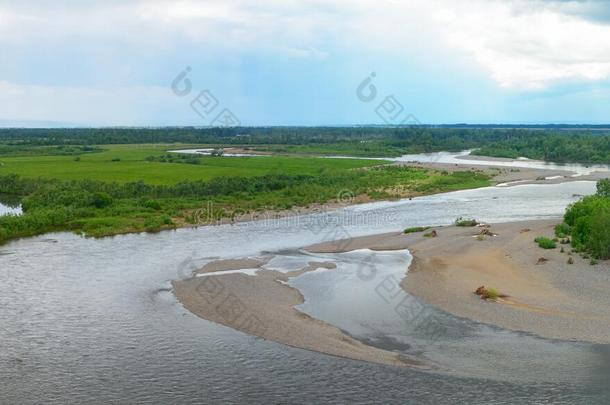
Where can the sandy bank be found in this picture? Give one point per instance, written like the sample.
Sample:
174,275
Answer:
263,305
232,264
504,174
552,299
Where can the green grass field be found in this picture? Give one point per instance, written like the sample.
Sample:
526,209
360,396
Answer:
134,188
132,165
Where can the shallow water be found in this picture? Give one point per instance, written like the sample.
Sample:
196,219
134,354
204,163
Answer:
87,320
465,159
362,297
462,158
13,210
208,152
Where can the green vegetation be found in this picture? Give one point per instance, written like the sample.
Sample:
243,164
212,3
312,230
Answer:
562,230
98,208
603,188
176,158
488,293
554,147
466,222
416,229
491,294
128,163
588,223
550,143
352,141
60,150
545,243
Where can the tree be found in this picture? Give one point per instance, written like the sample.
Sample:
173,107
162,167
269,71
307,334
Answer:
603,188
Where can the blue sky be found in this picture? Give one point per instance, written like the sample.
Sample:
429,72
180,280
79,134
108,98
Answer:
297,62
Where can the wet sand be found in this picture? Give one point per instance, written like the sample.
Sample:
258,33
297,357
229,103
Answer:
552,299
263,305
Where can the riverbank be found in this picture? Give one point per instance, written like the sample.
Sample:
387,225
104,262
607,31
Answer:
546,295
507,175
542,293
291,186
263,305
498,176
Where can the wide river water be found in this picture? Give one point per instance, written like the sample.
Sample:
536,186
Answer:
85,320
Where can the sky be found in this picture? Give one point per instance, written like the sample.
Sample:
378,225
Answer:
303,62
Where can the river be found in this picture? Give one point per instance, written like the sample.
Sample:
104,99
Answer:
86,320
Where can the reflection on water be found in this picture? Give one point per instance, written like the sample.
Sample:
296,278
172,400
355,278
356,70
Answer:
9,206
363,297
87,320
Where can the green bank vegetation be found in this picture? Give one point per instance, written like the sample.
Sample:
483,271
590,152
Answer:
101,208
416,229
587,223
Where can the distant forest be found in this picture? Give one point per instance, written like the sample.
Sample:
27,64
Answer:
551,143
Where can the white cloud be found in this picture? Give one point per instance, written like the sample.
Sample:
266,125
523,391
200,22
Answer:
529,44
522,44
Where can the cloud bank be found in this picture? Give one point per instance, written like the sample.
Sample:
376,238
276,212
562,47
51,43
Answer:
520,45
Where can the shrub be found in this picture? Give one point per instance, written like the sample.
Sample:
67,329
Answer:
562,230
152,204
603,188
465,222
545,243
598,242
589,219
101,199
416,229
491,294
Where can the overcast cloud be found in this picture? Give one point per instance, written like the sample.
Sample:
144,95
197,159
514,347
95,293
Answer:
286,61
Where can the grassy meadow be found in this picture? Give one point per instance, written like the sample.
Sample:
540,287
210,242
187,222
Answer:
113,189
127,163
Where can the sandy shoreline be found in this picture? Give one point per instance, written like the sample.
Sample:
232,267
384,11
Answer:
263,305
552,299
